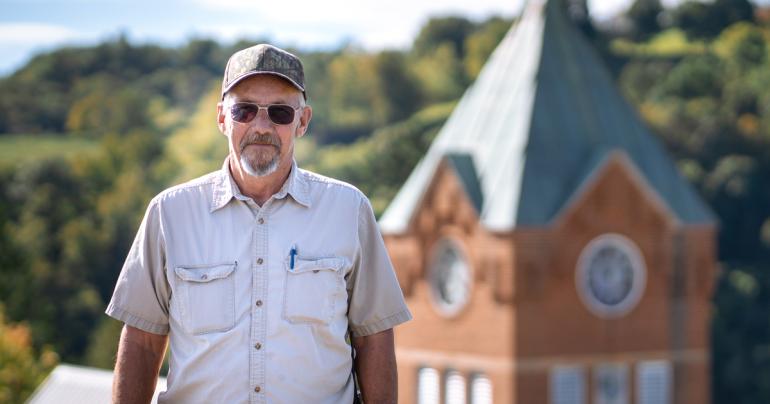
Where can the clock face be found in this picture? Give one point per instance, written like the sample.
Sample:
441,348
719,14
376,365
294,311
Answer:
450,278
610,275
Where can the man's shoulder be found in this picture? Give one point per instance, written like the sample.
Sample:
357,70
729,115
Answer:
318,182
198,187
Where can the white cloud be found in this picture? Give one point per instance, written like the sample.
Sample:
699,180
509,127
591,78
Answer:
24,33
20,40
228,4
373,25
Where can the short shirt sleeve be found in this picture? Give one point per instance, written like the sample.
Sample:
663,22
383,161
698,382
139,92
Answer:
142,292
376,300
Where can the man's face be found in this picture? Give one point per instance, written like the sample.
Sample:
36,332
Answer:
260,147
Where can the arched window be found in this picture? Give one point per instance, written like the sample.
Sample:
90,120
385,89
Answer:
568,385
427,386
653,383
481,390
611,384
455,388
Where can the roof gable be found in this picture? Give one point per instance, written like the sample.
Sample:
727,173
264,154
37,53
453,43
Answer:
542,114
616,162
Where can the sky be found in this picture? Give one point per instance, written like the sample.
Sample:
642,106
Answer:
28,27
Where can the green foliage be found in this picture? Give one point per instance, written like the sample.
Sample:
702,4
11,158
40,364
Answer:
708,19
712,109
17,149
21,368
695,76
644,15
442,74
480,44
198,147
743,45
99,108
57,295
449,30
671,43
103,345
353,90
380,164
741,336
398,89
104,88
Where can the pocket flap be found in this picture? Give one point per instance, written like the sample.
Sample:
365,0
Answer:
204,273
302,265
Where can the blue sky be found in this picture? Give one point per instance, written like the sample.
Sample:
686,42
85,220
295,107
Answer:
31,26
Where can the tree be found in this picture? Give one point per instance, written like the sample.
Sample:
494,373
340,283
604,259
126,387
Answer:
398,88
102,109
442,74
480,44
438,31
644,15
352,90
708,19
58,297
21,369
713,111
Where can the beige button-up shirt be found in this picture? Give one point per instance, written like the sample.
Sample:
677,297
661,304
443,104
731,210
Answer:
258,301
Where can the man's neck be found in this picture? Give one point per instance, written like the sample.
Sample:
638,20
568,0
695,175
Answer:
260,189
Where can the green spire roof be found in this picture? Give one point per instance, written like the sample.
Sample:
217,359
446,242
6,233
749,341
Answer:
542,115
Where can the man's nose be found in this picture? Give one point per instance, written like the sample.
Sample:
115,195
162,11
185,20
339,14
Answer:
262,120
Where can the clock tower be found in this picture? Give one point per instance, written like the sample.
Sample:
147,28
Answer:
548,248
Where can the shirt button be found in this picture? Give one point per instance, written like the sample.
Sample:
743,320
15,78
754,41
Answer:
261,221
257,389
259,303
260,261
204,277
258,345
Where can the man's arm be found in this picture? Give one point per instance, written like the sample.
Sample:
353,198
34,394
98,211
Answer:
140,355
376,367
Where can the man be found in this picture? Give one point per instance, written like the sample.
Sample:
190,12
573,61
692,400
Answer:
258,276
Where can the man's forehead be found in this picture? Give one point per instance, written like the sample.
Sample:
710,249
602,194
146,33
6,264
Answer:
265,86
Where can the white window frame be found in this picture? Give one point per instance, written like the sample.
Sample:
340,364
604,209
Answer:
481,389
427,375
574,376
618,371
654,382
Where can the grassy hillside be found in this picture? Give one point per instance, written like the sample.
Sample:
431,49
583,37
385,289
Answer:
20,148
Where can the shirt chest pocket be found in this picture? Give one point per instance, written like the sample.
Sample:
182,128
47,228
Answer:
313,288
206,297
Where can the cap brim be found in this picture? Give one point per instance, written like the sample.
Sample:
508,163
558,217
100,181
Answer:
249,74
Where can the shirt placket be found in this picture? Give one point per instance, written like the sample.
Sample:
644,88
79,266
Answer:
259,308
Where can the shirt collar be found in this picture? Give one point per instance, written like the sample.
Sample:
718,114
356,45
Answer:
226,189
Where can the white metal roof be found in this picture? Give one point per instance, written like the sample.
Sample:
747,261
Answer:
80,385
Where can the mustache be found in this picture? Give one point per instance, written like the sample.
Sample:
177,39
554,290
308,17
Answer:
256,138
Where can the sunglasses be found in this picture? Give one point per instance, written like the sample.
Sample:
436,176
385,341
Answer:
279,114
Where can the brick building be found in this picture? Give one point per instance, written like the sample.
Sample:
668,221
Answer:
546,244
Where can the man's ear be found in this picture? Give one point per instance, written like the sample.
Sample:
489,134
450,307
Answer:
304,120
221,117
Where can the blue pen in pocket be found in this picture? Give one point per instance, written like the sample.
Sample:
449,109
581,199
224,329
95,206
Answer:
292,254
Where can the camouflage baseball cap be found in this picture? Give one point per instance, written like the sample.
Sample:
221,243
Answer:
263,59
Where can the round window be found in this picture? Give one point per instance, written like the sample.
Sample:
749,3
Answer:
450,278
611,275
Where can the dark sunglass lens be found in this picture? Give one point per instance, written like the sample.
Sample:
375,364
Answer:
244,112
281,114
